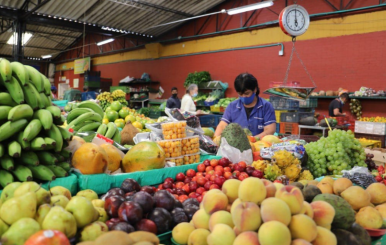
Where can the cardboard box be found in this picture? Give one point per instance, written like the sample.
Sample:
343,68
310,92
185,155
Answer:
379,155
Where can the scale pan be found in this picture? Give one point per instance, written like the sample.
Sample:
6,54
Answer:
293,93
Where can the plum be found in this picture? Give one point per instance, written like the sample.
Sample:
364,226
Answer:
190,210
130,212
112,204
115,191
163,220
163,199
145,200
148,189
111,222
179,216
191,201
146,225
130,185
123,226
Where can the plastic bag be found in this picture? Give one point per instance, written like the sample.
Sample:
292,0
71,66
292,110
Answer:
234,154
192,121
296,149
359,176
145,77
207,146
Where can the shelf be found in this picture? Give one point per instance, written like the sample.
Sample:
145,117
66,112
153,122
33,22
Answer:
351,97
139,101
138,83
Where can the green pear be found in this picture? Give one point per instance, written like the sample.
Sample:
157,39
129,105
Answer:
42,212
89,194
42,195
18,207
93,231
59,219
9,190
3,227
60,190
102,214
20,231
83,211
59,200
98,203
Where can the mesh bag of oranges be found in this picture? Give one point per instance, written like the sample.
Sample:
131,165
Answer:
172,148
174,130
190,145
193,158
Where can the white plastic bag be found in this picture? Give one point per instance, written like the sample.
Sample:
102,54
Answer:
233,154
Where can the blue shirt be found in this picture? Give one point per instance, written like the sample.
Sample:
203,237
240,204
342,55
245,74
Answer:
262,115
173,103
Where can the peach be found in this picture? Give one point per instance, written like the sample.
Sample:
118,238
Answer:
274,233
329,180
247,238
307,210
201,219
300,242
357,197
198,237
292,196
221,235
324,237
369,217
235,203
377,193
323,213
325,188
246,217
303,227
215,200
275,209
340,185
278,186
237,231
231,189
271,189
181,232
220,217
252,190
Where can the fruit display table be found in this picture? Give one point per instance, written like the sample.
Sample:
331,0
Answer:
379,241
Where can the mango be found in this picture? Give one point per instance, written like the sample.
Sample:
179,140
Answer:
325,188
357,197
324,237
340,185
198,237
246,217
303,227
252,190
181,232
220,217
247,238
214,200
201,219
274,233
328,179
275,209
292,196
221,235
377,193
324,213
231,189
369,217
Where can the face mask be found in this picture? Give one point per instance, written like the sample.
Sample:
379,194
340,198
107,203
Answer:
194,95
174,95
247,100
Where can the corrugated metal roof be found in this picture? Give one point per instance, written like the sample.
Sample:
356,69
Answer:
134,15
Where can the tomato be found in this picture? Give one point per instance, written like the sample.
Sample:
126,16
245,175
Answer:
48,237
201,167
213,162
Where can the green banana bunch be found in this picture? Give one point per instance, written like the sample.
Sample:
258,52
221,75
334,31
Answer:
5,178
38,144
45,117
90,127
55,134
20,112
65,165
67,136
6,99
58,171
28,158
42,172
4,110
5,70
111,129
102,129
49,141
14,149
93,106
7,163
55,111
22,173
14,89
72,115
31,97
47,86
89,116
8,129
20,72
32,130
35,78
47,158
117,136
2,150
25,145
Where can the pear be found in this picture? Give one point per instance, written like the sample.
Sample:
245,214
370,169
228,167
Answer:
9,190
42,195
59,200
20,231
18,207
89,194
93,231
98,203
60,190
59,219
103,217
3,227
83,211
42,212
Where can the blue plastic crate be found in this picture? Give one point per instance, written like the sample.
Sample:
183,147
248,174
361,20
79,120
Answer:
210,103
210,120
279,103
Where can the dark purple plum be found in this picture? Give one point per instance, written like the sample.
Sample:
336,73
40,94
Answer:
179,216
163,220
111,222
130,212
130,185
190,210
115,192
177,204
146,225
145,200
123,226
112,204
148,189
191,201
163,199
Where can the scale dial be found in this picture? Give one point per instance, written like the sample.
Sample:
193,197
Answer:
294,20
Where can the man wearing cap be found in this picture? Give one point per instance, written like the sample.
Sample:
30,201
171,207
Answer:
54,92
335,108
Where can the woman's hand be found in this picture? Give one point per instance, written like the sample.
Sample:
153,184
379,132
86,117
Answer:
199,112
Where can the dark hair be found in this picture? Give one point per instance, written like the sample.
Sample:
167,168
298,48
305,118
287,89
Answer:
85,89
246,81
344,96
174,88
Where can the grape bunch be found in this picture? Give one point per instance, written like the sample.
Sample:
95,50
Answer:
339,151
360,179
370,163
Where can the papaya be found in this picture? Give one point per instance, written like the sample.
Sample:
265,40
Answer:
90,159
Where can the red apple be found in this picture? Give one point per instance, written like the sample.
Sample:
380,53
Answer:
227,169
206,163
207,185
213,177
190,173
209,168
223,162
180,192
179,185
227,175
180,177
213,162
187,180
211,172
243,176
186,188
199,174
199,198
167,185
169,180
219,173
208,176
249,170
193,186
170,191
175,196
236,173
160,187
200,190
193,195
112,204
194,178
201,167
201,181
219,180
258,174
214,186
203,194
242,164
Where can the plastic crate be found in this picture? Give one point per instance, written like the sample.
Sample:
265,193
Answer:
279,103
210,120
370,128
289,128
214,108
211,103
309,103
294,116
277,127
380,138
278,113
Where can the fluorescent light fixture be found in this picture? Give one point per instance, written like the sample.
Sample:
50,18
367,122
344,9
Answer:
105,41
13,39
46,56
250,7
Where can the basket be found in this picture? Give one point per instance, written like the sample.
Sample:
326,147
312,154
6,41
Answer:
278,113
294,116
210,120
309,103
289,128
279,103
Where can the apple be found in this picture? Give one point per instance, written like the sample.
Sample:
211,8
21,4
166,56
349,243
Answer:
218,173
199,198
201,181
219,180
249,170
242,164
169,179
167,185
214,186
243,176
224,162
227,175
180,192
200,190
187,180
207,185
227,169
190,173
170,191
182,198
193,186
192,195
180,177
160,187
186,188
213,162
130,212
258,174
201,167
209,168
179,185
236,173
206,163
194,178
112,204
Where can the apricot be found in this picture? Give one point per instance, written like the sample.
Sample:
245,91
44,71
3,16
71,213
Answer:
275,209
231,189
198,237
377,193
181,232
292,196
303,227
246,217
274,233
340,185
324,237
300,242
382,210
369,217
247,238
252,190
221,235
201,219
215,200
325,188
271,189
220,217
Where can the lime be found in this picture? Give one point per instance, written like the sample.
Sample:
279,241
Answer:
112,115
124,112
116,106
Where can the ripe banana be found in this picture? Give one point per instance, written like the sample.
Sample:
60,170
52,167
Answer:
6,162
45,117
72,115
46,158
117,136
4,110
49,141
66,154
58,171
38,144
35,78
5,178
28,158
14,149
20,112
47,85
6,99
10,128
14,89
67,136
22,173
20,72
93,106
5,70
90,127
55,111
54,133
65,165
89,116
25,145
2,150
42,172
102,129
111,129
30,96
60,121
32,130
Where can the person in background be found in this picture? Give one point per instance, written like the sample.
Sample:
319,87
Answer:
173,101
250,111
187,103
85,89
54,92
335,108
88,95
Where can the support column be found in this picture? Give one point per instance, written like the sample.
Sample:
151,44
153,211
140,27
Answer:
18,49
